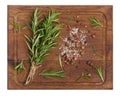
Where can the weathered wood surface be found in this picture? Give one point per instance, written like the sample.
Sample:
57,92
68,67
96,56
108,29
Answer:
17,49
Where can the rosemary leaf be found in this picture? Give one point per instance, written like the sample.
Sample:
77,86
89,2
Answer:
83,75
94,21
56,73
20,67
17,26
99,72
80,77
28,38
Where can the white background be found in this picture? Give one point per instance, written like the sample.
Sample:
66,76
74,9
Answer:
3,49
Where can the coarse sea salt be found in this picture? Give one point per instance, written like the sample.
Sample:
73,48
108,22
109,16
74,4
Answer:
73,44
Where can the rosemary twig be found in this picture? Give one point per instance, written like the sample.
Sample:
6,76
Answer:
96,52
56,73
20,67
94,21
83,75
17,26
44,35
99,72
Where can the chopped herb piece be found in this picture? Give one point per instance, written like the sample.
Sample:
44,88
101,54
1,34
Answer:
94,21
83,75
99,72
17,26
20,67
56,73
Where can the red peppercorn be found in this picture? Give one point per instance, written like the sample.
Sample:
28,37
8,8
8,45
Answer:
93,35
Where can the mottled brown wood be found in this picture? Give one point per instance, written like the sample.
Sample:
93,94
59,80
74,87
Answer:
17,49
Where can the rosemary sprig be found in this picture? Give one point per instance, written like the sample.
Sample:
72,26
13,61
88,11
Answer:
94,21
17,26
44,35
20,67
85,76
99,72
56,73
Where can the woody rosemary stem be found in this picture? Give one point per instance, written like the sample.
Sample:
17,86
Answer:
31,73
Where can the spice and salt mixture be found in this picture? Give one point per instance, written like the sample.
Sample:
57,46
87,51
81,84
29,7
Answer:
73,46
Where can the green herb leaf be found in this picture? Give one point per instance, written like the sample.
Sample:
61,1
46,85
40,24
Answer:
99,72
17,26
94,21
83,75
56,73
20,67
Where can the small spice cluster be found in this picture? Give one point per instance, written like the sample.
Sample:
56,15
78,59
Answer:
73,46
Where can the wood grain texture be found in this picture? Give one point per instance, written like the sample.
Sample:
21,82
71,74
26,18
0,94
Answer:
17,49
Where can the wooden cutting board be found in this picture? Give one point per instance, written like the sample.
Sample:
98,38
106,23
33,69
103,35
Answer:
17,49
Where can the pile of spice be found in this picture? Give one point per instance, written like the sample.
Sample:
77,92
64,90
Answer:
74,45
